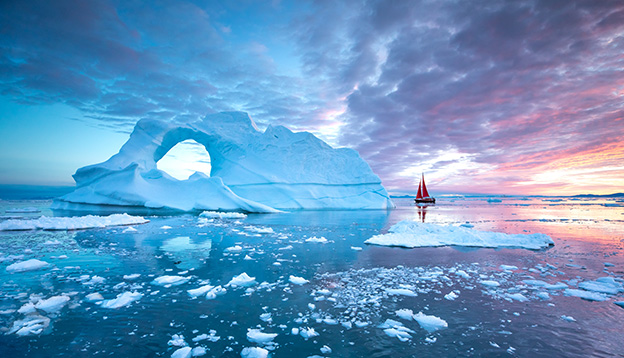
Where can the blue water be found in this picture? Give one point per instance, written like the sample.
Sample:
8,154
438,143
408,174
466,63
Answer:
481,322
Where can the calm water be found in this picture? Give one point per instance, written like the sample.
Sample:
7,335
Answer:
481,321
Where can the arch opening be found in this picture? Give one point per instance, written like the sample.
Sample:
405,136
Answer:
184,159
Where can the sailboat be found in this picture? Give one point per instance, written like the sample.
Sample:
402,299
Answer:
423,195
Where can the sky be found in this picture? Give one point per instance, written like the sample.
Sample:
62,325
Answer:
501,97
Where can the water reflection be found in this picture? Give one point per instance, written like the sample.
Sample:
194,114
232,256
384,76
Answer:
185,253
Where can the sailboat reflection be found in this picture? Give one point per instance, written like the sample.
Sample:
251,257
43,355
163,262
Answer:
422,212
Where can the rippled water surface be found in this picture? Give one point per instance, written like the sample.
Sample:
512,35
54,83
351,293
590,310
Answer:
350,290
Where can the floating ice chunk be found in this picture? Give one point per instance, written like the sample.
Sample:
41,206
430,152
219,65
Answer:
254,352
165,227
122,300
401,335
130,229
568,318
257,336
294,331
28,265
247,257
52,304
451,296
289,247
93,297
490,283
27,308
401,291
217,291
548,286
30,326
416,234
543,295
508,267
604,285
356,248
405,314
131,277
177,340
184,352
430,323
72,223
235,248
308,332
196,292
266,317
168,281
260,229
320,240
462,273
198,352
95,280
326,350
396,329
517,296
297,280
212,337
587,295
242,280
222,215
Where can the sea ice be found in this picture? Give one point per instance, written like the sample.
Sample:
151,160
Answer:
297,280
196,292
222,215
52,304
568,318
184,352
257,336
416,234
242,280
490,283
122,300
603,285
28,265
93,297
430,323
548,286
30,326
72,223
587,295
307,332
320,240
401,291
168,281
252,171
254,352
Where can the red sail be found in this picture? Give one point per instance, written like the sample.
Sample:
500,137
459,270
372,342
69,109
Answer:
419,195
425,193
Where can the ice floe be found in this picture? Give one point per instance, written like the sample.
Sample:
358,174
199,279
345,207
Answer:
28,265
52,304
122,300
254,352
222,215
71,223
242,280
257,336
170,280
297,280
416,234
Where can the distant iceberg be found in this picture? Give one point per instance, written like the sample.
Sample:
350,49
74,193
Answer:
415,234
252,171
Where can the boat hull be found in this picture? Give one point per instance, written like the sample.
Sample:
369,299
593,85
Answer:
425,201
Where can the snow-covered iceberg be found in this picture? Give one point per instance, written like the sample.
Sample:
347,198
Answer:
416,234
252,171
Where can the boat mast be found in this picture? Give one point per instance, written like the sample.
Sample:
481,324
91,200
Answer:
425,193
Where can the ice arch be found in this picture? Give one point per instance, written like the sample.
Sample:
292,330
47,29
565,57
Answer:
184,159
251,171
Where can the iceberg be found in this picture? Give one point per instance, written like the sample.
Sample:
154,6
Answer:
251,171
415,234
